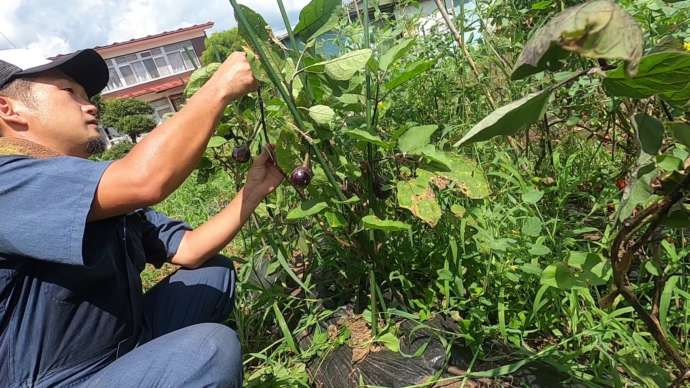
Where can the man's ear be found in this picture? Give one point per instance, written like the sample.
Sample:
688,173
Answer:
9,114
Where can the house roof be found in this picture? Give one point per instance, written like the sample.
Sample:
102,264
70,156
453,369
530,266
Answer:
155,86
203,26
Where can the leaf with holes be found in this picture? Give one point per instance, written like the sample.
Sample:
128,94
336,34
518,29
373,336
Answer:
596,29
199,77
417,196
465,176
256,23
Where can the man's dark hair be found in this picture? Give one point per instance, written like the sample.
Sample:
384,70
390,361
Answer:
19,89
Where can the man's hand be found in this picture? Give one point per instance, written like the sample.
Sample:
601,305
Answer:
234,77
208,239
263,176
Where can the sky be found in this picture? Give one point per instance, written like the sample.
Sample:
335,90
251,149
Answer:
58,27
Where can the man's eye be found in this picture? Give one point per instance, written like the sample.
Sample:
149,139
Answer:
69,90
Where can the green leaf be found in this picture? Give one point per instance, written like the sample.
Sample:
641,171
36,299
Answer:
394,53
390,341
415,138
288,151
510,118
306,209
465,176
650,374
558,275
669,163
335,220
373,222
595,29
539,249
593,269
410,72
344,67
640,193
199,77
349,201
439,160
417,196
216,141
314,16
285,329
650,267
321,114
665,300
532,227
458,210
650,132
680,131
665,73
532,197
256,23
365,136
350,100
531,268
330,25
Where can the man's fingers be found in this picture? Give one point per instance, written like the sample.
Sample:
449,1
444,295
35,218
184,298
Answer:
268,154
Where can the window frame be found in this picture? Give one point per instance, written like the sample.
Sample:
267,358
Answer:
114,65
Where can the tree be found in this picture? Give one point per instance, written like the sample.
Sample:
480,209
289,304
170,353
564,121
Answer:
128,116
220,45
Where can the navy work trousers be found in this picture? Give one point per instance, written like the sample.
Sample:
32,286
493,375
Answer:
184,343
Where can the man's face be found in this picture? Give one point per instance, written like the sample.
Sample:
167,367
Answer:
61,116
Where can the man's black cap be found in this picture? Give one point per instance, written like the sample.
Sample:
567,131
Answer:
86,67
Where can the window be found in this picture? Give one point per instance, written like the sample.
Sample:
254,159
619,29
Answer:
176,62
144,66
128,75
114,81
162,66
177,101
161,107
151,68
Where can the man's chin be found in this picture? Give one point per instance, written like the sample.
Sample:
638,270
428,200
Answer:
96,145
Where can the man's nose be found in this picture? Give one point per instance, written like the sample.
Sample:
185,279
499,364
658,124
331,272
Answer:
90,109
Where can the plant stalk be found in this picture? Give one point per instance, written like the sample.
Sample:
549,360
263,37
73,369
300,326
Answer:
277,82
288,27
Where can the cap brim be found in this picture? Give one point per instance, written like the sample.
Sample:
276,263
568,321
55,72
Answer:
86,67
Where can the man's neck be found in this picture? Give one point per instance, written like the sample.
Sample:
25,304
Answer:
23,147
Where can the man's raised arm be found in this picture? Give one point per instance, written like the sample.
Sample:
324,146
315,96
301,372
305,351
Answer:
158,165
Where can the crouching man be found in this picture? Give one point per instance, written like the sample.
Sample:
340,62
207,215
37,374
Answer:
75,235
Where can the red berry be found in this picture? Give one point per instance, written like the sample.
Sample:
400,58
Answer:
621,183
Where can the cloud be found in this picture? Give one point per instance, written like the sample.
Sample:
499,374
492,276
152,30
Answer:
58,27
49,45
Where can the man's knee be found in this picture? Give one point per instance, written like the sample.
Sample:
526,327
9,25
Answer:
221,346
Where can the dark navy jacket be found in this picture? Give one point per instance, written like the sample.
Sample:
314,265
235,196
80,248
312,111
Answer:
70,292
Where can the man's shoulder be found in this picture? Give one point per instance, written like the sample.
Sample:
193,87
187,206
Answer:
21,163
